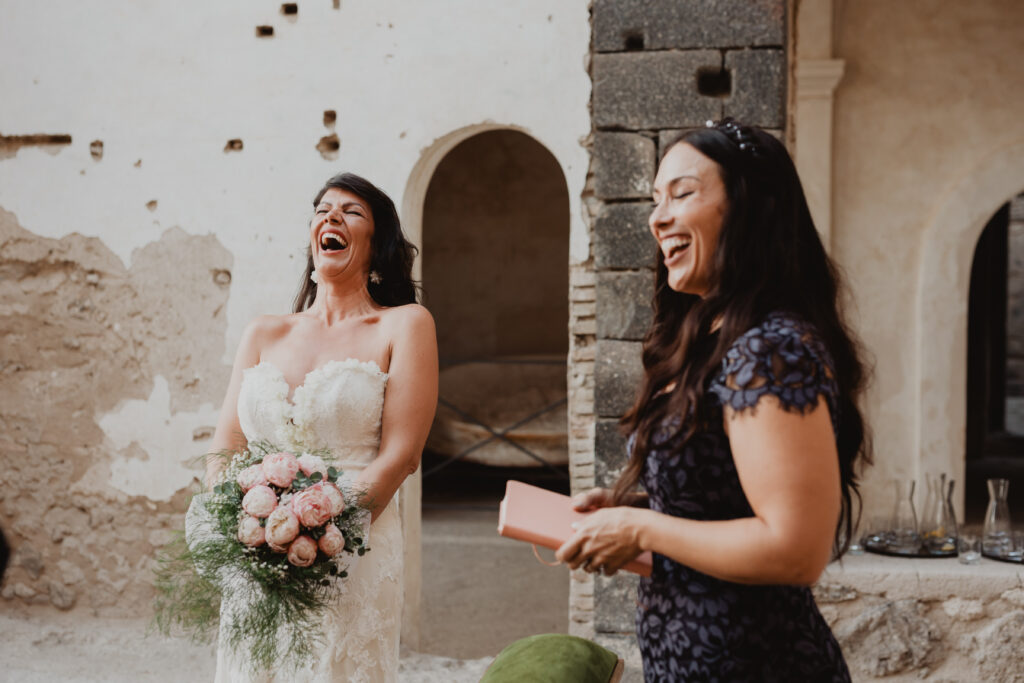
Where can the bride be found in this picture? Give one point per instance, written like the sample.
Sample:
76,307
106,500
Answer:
352,369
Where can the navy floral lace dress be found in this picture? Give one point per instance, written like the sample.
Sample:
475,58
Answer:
691,626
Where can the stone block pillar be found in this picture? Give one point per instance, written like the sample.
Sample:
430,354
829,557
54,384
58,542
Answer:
658,67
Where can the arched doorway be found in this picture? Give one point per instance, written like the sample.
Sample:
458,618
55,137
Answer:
947,250
995,361
495,274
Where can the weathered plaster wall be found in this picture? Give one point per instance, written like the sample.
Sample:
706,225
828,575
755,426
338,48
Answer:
95,449
926,121
165,156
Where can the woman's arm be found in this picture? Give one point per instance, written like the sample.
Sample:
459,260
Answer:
409,404
228,435
789,471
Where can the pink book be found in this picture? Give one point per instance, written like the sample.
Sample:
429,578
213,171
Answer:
545,518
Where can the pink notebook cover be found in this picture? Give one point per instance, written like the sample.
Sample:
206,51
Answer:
545,518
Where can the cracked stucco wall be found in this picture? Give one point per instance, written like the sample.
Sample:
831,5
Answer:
105,398
156,166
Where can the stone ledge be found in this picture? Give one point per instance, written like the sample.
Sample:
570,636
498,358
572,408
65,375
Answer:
921,579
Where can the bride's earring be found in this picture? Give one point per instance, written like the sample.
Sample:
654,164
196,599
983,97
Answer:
315,277
375,277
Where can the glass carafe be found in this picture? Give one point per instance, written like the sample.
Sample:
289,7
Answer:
996,538
938,524
904,537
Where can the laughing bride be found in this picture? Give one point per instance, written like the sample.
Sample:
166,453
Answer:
353,369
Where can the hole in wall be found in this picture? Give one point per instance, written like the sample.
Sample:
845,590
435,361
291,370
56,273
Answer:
96,149
264,31
714,82
222,277
329,146
289,8
330,118
234,145
10,144
633,40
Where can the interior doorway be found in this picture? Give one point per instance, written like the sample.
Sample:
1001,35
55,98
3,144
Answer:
495,273
995,362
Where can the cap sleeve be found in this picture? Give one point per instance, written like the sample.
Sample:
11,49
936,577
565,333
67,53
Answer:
782,357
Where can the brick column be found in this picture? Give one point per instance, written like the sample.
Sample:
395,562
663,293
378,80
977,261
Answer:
659,67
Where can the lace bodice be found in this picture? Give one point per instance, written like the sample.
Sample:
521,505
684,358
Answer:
337,407
695,627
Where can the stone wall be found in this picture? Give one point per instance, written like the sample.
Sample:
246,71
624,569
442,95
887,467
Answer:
929,619
658,68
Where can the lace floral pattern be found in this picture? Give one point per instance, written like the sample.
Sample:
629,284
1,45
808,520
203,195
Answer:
694,627
338,406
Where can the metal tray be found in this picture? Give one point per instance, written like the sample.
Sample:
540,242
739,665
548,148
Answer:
881,549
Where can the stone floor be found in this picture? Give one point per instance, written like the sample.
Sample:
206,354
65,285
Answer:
480,593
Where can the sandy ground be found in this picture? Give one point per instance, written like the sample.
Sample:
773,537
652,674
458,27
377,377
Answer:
481,592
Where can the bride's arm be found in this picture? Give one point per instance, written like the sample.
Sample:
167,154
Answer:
409,404
228,435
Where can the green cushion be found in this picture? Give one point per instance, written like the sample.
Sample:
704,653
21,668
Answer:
553,657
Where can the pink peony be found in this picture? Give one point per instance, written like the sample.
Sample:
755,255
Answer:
302,551
280,468
312,463
333,541
312,506
251,476
333,494
282,528
250,532
260,501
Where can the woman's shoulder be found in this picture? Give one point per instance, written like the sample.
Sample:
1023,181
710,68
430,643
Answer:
408,319
271,325
783,354
264,329
779,329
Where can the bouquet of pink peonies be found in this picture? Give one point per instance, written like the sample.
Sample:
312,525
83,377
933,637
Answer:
270,544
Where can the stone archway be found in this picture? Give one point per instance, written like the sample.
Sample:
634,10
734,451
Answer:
947,248
412,210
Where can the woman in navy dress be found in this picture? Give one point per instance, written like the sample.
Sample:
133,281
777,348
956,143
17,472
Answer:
746,431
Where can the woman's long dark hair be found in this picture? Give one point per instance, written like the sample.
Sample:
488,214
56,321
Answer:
392,254
768,258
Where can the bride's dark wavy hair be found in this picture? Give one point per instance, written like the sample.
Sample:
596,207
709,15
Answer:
768,258
392,254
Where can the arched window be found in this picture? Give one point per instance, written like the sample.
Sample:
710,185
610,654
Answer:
995,361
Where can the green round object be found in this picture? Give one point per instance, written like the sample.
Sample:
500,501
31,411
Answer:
554,658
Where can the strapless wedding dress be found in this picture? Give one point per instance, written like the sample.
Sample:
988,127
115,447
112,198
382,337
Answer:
338,407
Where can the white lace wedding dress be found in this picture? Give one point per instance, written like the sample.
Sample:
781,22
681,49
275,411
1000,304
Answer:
337,407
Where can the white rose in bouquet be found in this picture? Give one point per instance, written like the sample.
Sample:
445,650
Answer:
309,464
333,541
250,532
280,468
260,501
282,528
302,551
251,476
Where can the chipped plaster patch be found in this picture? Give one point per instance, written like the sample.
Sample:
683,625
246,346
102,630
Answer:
164,436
